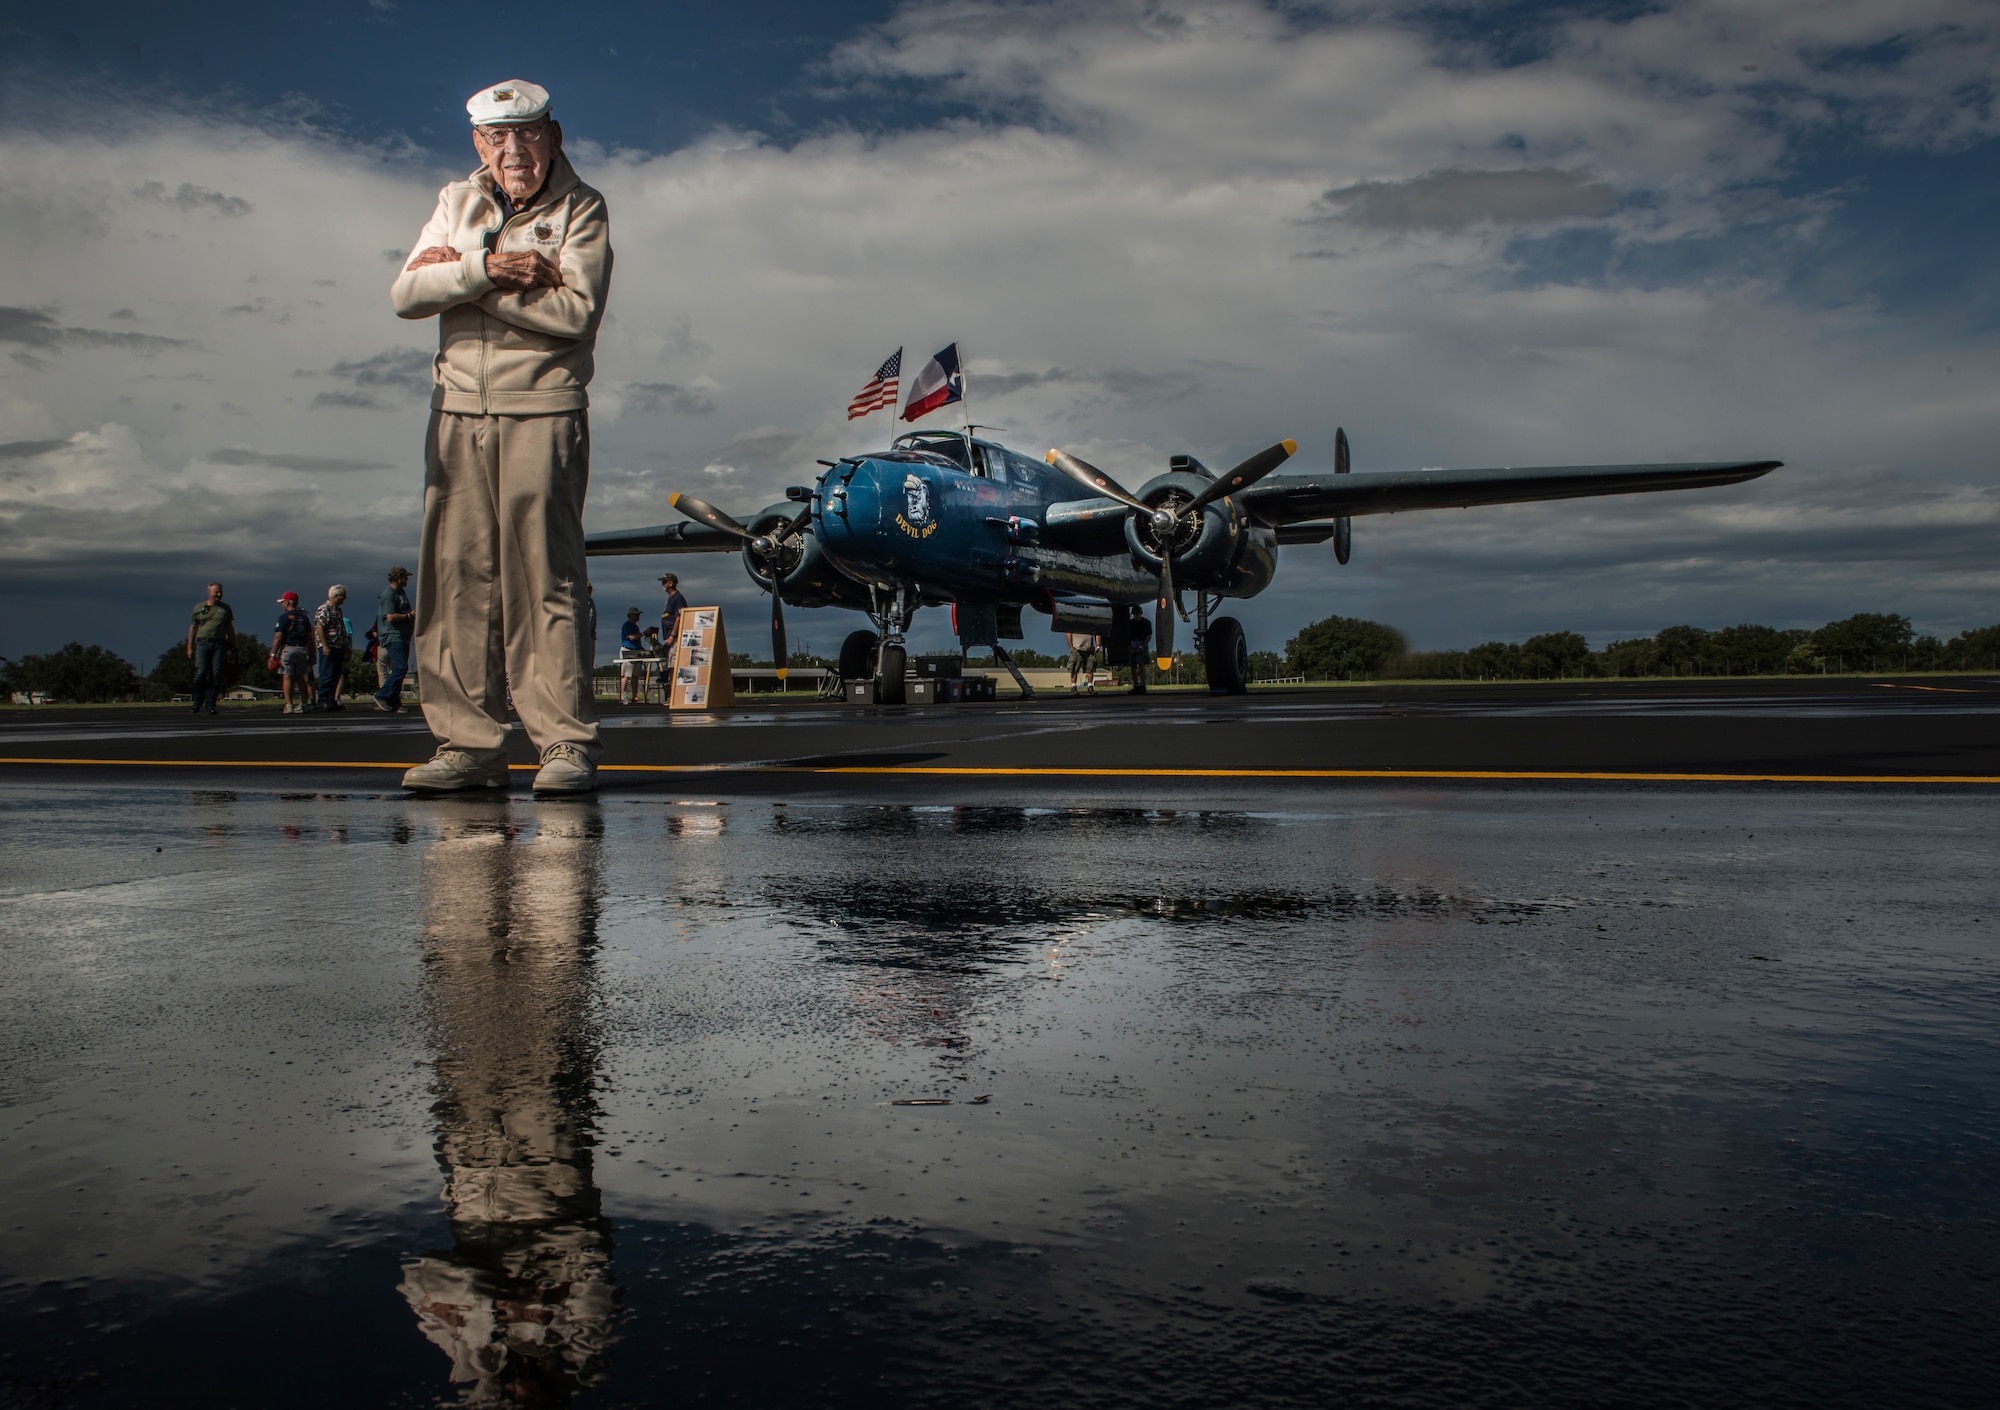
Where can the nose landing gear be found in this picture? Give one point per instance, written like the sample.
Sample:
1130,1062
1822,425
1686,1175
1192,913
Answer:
886,658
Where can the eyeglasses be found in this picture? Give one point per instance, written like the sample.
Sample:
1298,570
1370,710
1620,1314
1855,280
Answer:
497,136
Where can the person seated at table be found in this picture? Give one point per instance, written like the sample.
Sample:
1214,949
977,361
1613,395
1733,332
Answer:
631,646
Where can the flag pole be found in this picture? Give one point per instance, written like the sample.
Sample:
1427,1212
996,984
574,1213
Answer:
965,405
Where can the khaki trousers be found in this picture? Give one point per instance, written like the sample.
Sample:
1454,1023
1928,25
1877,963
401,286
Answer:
500,581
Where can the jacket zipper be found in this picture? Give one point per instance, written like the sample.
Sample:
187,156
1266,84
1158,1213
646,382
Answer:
492,235
495,233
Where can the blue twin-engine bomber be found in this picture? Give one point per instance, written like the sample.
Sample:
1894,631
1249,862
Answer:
951,518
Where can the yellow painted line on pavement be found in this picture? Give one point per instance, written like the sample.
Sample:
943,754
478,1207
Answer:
1055,771
1505,774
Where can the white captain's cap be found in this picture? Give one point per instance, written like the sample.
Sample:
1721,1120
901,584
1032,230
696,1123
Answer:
516,100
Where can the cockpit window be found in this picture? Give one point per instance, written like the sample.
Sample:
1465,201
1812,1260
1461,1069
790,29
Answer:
912,455
1023,471
946,444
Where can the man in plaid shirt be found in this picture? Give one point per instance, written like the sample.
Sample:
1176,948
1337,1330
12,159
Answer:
331,634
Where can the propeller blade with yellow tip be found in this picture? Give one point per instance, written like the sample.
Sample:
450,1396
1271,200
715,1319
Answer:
704,513
1243,476
1091,477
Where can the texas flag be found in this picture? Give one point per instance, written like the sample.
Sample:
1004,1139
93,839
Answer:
939,384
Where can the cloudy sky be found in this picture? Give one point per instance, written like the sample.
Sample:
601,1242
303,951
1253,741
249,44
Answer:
1473,234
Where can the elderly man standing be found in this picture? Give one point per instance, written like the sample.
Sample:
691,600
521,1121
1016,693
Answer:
334,639
515,264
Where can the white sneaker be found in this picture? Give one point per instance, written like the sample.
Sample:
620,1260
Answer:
566,768
455,770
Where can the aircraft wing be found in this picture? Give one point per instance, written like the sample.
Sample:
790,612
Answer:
664,538
1290,499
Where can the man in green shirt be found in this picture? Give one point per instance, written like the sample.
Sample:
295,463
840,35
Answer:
211,637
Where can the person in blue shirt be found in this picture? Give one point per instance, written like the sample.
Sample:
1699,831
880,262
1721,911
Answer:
670,615
396,623
631,647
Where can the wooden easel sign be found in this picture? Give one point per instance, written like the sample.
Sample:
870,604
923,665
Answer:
701,662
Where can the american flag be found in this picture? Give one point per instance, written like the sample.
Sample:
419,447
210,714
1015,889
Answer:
881,388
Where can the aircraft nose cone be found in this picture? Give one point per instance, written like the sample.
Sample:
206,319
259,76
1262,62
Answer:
864,521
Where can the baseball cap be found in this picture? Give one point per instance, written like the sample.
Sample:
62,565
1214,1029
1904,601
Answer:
288,597
513,101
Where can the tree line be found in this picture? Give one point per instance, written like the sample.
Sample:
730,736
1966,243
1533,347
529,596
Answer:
91,673
1350,648
1334,648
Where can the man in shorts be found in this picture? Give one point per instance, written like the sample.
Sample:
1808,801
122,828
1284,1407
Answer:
292,649
1083,660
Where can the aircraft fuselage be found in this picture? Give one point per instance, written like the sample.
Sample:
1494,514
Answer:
918,516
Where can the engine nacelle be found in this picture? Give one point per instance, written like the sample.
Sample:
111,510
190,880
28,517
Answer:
805,577
1219,550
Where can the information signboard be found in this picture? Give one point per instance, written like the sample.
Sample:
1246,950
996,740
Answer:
700,662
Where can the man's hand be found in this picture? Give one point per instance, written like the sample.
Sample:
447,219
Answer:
527,270
436,254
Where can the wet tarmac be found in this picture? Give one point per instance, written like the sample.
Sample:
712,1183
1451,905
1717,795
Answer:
1918,729
819,1089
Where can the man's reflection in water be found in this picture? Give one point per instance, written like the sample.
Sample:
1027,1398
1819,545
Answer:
522,1302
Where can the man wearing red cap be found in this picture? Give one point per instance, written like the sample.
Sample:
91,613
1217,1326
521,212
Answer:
291,653
514,264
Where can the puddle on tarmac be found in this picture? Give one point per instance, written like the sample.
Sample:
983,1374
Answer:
1497,1098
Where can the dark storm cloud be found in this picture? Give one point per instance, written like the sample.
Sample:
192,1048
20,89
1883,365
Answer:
402,371
27,450
280,461
1122,387
765,448
1451,200
195,198
407,368
349,401
647,398
35,328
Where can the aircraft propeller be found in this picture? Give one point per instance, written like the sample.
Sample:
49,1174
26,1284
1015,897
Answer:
765,546
1166,520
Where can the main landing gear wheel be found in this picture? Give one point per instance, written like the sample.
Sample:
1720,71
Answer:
857,656
889,676
1227,656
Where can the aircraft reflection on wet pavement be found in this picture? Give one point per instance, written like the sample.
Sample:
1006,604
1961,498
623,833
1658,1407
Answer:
1357,1096
522,1302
